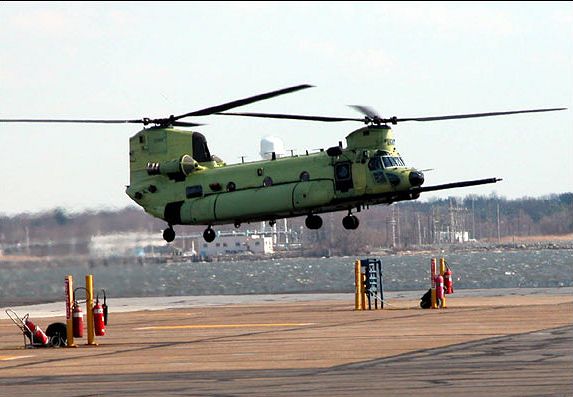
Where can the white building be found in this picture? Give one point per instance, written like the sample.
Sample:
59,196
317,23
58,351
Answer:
236,244
127,245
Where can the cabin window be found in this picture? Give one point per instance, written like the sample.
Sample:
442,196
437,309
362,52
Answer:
200,149
343,176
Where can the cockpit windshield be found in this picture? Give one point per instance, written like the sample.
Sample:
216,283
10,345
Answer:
392,161
379,162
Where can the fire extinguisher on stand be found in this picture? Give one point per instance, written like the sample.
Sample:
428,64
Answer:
77,320
37,336
100,316
448,281
440,290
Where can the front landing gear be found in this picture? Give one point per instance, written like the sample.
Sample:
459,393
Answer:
209,234
169,234
350,222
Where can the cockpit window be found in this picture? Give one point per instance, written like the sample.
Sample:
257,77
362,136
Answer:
393,161
374,163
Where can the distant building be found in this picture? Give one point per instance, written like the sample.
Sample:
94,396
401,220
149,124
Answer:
128,245
236,244
453,237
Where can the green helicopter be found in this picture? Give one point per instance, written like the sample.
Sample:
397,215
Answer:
174,176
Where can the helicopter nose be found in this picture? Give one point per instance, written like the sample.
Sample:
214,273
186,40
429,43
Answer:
416,178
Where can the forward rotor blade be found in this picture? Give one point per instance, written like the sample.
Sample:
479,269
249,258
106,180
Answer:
291,116
367,111
241,102
185,124
472,115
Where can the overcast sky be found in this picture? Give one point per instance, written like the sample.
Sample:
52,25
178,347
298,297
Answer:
130,60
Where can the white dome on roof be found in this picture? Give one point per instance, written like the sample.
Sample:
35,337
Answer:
270,144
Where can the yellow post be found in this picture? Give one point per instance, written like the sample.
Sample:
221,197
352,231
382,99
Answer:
89,309
69,285
363,290
433,282
442,272
358,282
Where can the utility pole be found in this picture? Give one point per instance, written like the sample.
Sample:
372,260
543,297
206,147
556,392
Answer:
498,225
473,219
392,224
398,236
419,229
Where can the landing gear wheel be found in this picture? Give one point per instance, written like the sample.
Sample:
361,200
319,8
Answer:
313,222
350,222
209,234
169,234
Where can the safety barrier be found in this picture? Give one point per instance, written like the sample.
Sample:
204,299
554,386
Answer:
96,314
441,284
369,286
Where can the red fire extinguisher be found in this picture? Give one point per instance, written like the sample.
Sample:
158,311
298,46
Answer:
78,321
448,282
99,323
38,337
439,289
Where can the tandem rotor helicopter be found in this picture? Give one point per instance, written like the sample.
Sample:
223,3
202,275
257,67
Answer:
174,177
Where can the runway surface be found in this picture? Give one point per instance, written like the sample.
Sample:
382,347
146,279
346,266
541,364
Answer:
505,344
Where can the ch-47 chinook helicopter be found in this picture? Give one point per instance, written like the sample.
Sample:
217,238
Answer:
174,177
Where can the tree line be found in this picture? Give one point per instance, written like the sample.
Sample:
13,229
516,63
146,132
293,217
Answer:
403,224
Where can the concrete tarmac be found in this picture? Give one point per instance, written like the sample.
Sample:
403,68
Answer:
505,345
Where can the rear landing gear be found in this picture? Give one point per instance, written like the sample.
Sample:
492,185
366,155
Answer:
350,222
209,234
169,234
313,222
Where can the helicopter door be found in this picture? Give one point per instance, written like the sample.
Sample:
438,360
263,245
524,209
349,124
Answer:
343,176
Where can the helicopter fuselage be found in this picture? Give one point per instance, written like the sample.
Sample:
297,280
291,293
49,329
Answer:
169,182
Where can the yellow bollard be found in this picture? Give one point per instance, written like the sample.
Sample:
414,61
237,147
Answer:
363,290
433,282
89,309
69,286
442,271
357,282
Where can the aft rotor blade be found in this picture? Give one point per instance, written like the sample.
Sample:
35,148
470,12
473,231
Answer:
291,116
141,121
471,115
245,101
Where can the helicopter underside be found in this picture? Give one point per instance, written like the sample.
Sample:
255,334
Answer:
313,221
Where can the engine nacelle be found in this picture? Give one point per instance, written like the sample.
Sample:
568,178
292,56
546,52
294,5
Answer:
175,169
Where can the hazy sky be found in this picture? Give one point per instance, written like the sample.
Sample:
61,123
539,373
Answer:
130,60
